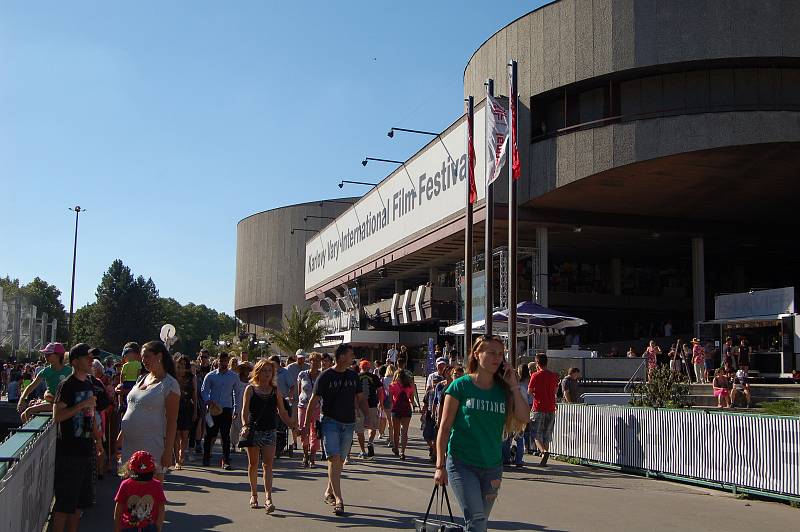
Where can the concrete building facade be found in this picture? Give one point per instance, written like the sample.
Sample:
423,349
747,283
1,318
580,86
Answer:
270,252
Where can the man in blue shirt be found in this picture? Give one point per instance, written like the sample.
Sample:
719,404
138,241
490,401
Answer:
218,396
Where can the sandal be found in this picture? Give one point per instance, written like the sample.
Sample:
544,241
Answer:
329,499
270,507
338,509
253,502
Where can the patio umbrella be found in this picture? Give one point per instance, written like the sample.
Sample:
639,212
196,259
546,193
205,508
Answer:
535,314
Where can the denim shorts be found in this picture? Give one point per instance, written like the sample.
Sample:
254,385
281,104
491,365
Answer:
336,437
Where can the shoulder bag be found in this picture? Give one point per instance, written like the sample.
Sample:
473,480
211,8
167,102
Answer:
433,525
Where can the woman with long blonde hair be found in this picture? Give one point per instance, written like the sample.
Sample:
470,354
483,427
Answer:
478,408
262,403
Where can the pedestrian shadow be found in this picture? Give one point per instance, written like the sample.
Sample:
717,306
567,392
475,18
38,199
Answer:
194,522
356,520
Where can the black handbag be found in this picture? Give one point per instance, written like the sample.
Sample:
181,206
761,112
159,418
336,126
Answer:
433,525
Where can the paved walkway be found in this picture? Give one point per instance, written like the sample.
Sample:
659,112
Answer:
389,494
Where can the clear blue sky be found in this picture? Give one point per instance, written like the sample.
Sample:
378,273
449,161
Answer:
171,121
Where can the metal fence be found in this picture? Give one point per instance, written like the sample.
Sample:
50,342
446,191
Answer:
26,476
739,450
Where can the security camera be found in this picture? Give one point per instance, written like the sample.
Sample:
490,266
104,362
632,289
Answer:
364,162
391,133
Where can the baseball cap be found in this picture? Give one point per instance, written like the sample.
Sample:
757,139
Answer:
364,364
441,360
78,351
54,348
300,353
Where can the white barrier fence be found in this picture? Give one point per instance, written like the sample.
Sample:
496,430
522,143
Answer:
26,490
749,451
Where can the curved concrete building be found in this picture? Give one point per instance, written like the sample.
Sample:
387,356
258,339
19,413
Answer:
270,252
620,98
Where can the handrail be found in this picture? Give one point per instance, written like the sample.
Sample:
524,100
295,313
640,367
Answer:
630,381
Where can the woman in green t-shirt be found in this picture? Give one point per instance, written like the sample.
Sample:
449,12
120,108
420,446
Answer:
478,408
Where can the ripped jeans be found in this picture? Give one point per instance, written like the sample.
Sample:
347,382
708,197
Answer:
476,490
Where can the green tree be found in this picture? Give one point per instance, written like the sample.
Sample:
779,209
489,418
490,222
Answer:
84,328
127,308
301,330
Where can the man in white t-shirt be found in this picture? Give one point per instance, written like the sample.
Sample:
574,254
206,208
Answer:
391,355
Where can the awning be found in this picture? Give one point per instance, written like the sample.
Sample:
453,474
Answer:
767,317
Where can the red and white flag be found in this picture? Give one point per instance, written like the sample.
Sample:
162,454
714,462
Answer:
496,139
512,110
473,189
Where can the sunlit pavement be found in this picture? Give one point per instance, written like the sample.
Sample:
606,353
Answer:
388,493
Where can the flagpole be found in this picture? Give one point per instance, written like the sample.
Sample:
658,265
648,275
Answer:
468,229
512,213
489,227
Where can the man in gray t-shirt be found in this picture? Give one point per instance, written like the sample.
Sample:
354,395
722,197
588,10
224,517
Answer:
569,386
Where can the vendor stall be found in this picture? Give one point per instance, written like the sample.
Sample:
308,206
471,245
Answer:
766,320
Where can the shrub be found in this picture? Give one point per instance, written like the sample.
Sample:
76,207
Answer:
666,389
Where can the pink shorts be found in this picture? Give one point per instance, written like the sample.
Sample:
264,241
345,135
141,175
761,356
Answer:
721,392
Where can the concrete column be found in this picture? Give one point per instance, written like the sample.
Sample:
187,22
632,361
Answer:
541,279
616,276
433,275
543,259
698,281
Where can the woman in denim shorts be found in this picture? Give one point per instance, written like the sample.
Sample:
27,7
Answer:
478,407
262,404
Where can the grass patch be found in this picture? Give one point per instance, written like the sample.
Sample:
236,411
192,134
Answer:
781,408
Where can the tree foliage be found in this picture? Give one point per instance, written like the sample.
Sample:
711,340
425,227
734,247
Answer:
127,308
301,330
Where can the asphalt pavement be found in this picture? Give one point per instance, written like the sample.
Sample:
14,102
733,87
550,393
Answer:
387,493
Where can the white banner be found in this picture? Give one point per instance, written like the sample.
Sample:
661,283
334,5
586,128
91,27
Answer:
26,490
416,197
496,139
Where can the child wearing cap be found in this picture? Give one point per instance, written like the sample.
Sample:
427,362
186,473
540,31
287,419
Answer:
133,367
140,499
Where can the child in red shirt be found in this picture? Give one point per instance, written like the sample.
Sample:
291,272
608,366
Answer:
140,499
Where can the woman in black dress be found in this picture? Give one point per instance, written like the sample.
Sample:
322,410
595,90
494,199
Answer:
260,409
187,408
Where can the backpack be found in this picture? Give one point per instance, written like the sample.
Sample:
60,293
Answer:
403,404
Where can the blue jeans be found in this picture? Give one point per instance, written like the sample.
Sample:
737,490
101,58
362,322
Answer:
476,490
519,441
336,437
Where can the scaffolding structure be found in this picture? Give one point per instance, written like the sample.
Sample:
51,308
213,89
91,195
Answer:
22,329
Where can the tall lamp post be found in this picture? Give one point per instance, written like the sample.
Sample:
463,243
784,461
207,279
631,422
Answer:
77,209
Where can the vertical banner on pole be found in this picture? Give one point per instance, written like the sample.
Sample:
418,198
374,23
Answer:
513,175
471,197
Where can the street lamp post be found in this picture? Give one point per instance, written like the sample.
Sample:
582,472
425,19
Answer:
77,209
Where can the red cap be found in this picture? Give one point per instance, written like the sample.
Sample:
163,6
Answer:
54,348
364,364
141,462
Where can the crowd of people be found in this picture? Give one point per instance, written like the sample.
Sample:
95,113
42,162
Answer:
154,411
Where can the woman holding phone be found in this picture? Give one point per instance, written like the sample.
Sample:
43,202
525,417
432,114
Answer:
478,408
